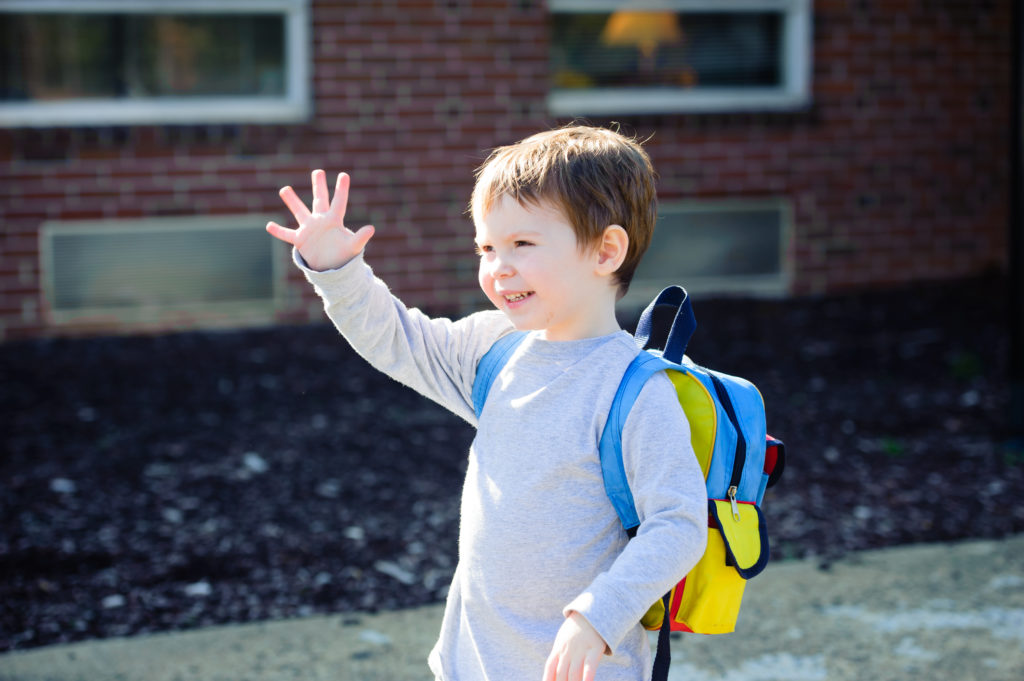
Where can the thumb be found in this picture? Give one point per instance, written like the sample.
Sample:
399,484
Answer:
363,236
283,233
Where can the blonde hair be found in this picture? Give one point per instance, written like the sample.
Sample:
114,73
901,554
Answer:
595,177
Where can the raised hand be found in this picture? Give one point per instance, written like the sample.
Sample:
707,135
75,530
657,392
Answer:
322,239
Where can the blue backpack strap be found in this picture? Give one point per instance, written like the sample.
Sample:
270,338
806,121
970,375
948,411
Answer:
491,364
613,470
667,324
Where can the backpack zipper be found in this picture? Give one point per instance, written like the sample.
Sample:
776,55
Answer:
732,500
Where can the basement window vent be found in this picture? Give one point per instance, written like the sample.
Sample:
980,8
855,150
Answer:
191,271
716,247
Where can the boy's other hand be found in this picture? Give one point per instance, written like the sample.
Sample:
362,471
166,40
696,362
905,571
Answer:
322,239
577,651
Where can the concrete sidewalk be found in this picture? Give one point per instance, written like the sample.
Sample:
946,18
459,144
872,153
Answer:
935,612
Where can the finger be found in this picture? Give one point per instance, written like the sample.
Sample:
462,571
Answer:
339,203
295,204
283,233
549,667
590,665
321,202
575,672
562,668
363,236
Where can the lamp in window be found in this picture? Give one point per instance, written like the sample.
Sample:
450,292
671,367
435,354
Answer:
646,31
643,30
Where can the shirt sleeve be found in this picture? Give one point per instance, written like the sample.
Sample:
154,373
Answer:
434,356
671,500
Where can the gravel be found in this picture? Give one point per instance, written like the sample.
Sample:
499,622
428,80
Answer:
158,483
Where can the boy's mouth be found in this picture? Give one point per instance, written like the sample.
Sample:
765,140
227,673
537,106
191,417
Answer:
513,298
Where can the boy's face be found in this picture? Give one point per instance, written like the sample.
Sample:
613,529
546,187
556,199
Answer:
533,270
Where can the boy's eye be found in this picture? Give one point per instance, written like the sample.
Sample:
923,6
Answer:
480,250
524,243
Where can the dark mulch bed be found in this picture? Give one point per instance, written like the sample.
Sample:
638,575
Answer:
162,483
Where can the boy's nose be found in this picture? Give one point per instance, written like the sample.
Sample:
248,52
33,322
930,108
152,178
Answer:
501,269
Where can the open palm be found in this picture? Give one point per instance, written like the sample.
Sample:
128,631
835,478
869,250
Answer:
322,239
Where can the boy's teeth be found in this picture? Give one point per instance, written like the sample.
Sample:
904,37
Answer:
516,297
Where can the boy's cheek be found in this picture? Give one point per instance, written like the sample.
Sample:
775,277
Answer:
487,286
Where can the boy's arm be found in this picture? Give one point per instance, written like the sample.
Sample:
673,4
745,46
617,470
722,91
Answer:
435,357
671,501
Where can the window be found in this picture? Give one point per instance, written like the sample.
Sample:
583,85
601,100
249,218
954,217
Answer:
220,268
668,56
731,246
108,62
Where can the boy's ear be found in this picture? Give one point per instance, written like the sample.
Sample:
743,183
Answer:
611,250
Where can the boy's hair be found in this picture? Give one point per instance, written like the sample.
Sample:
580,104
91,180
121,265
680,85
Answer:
595,177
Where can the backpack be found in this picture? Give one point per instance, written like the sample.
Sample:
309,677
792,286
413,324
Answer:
737,456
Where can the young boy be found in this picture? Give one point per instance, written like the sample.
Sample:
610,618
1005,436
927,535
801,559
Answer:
547,585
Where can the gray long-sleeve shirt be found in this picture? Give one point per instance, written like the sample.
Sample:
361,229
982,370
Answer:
538,536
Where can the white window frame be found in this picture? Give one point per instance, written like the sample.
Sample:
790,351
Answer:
642,291
793,94
293,106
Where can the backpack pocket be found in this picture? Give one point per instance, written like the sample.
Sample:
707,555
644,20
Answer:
743,532
707,600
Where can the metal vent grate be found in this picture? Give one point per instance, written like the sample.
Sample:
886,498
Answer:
149,269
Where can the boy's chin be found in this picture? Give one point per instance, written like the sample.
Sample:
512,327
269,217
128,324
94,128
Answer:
520,323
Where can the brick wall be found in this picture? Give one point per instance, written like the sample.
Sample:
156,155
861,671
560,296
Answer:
898,172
